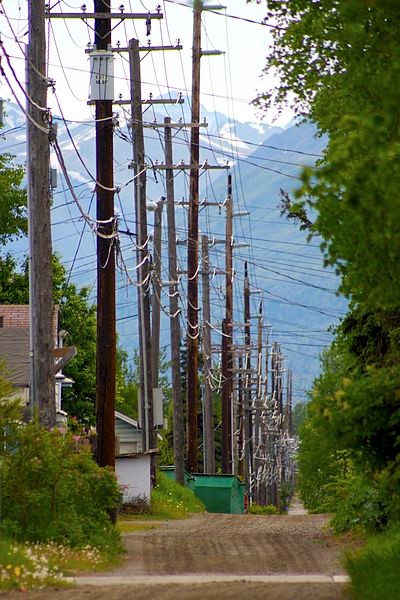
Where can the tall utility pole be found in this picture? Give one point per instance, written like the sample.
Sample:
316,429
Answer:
257,408
226,361
106,329
266,434
240,419
193,253
178,430
39,230
208,425
156,300
248,418
143,274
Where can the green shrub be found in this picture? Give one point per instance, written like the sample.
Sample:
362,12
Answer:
319,463
331,481
374,569
256,509
358,503
170,500
51,489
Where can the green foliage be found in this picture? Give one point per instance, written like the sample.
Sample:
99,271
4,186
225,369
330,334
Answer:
126,400
14,281
356,409
166,447
299,415
256,509
337,62
374,569
170,500
77,317
319,464
358,503
28,566
365,414
53,490
24,567
13,221
330,482
10,412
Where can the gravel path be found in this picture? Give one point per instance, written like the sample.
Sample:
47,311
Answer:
239,544
213,545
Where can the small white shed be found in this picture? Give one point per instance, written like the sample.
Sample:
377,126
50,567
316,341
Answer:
133,474
132,466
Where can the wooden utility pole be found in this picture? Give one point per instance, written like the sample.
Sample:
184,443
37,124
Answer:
208,424
266,424
156,300
226,360
193,253
248,429
106,328
240,420
143,274
178,429
289,401
42,390
257,407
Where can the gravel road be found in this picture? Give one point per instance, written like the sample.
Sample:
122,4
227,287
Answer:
210,544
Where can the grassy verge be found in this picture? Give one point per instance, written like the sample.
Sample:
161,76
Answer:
169,500
270,509
374,568
129,526
26,566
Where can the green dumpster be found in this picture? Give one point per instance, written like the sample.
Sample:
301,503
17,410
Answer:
220,493
169,471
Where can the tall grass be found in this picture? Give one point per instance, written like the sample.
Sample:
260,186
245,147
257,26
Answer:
169,500
26,565
374,570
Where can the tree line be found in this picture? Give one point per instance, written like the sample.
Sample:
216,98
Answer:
338,65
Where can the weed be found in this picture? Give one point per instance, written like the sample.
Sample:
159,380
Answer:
270,509
374,568
132,527
170,500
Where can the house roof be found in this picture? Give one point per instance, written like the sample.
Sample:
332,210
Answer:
126,419
15,343
14,351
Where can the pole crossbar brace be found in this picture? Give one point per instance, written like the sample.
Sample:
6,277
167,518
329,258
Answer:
146,48
100,15
212,52
147,101
187,203
182,166
174,125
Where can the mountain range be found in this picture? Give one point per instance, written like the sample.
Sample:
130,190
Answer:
299,296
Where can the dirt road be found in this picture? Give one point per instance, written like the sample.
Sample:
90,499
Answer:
219,546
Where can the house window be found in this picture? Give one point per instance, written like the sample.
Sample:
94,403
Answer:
1,321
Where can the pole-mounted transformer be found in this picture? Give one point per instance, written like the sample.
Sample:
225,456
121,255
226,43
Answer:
101,75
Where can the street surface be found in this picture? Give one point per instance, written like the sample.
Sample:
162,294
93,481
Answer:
288,557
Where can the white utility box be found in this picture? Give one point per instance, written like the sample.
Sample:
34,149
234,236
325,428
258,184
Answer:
101,75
